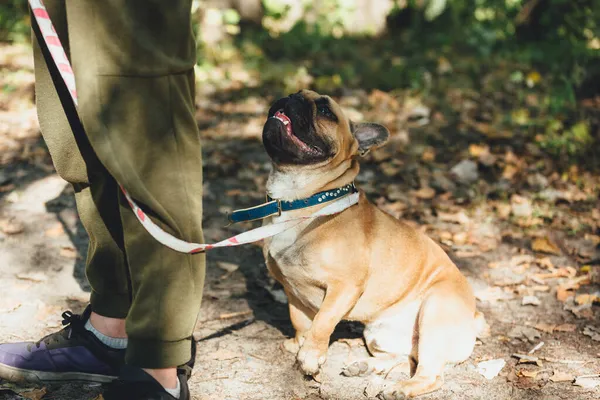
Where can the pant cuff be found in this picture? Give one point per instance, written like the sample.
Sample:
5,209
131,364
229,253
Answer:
111,306
156,354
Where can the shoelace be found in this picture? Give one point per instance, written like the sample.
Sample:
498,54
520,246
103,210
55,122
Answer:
70,322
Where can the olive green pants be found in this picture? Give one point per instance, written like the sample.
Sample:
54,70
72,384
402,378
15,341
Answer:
133,62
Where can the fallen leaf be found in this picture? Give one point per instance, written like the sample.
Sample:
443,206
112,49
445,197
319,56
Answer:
527,373
68,252
544,262
587,381
524,332
503,210
566,328
545,245
587,298
561,377
390,169
476,150
521,259
563,294
425,193
592,332
34,394
428,154
520,206
493,294
527,359
544,327
491,368
236,314
56,231
457,218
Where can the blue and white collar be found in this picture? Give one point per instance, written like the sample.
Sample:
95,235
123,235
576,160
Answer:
276,207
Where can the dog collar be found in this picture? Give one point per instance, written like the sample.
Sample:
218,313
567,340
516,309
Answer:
276,207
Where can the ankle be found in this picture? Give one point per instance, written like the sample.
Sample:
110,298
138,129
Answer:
167,377
112,327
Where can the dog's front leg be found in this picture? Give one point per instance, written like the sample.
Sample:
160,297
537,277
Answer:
301,318
339,300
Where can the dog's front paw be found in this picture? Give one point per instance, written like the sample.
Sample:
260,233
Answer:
311,359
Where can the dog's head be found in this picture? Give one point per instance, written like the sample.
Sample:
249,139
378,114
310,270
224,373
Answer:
307,129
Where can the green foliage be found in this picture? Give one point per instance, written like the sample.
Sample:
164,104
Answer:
14,20
510,50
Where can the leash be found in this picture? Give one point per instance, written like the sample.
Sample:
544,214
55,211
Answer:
63,65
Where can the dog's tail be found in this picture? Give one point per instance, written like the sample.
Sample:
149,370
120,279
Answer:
482,328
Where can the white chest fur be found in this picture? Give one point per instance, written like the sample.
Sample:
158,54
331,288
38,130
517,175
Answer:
299,274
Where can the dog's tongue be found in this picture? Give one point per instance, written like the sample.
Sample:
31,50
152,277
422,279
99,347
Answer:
286,121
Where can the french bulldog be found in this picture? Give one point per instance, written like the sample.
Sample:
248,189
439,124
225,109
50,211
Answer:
360,264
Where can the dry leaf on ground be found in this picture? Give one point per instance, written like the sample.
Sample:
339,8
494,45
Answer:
34,394
55,231
561,377
544,327
566,328
592,332
68,252
545,245
425,193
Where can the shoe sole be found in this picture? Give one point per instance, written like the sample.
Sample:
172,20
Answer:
18,375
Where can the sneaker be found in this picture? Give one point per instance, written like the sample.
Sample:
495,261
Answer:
71,354
135,384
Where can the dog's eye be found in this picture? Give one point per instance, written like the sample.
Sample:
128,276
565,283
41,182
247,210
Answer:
325,111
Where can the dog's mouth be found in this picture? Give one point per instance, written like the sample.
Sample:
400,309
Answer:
289,131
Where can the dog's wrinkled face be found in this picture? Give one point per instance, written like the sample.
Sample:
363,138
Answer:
307,128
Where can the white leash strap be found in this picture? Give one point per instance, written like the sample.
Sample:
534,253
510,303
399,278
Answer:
64,67
251,236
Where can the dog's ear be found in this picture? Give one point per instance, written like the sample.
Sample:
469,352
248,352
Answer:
369,135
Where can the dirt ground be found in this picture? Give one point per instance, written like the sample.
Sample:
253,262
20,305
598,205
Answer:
531,277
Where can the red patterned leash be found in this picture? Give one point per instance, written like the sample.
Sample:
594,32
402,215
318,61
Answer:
54,46
64,67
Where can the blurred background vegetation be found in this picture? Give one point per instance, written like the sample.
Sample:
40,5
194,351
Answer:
525,72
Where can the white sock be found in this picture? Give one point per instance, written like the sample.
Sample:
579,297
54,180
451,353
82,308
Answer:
115,343
175,392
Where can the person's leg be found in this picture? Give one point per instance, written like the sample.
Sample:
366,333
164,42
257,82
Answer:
75,352
133,62
95,189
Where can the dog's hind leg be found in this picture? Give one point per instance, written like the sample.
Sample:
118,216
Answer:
445,333
389,341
